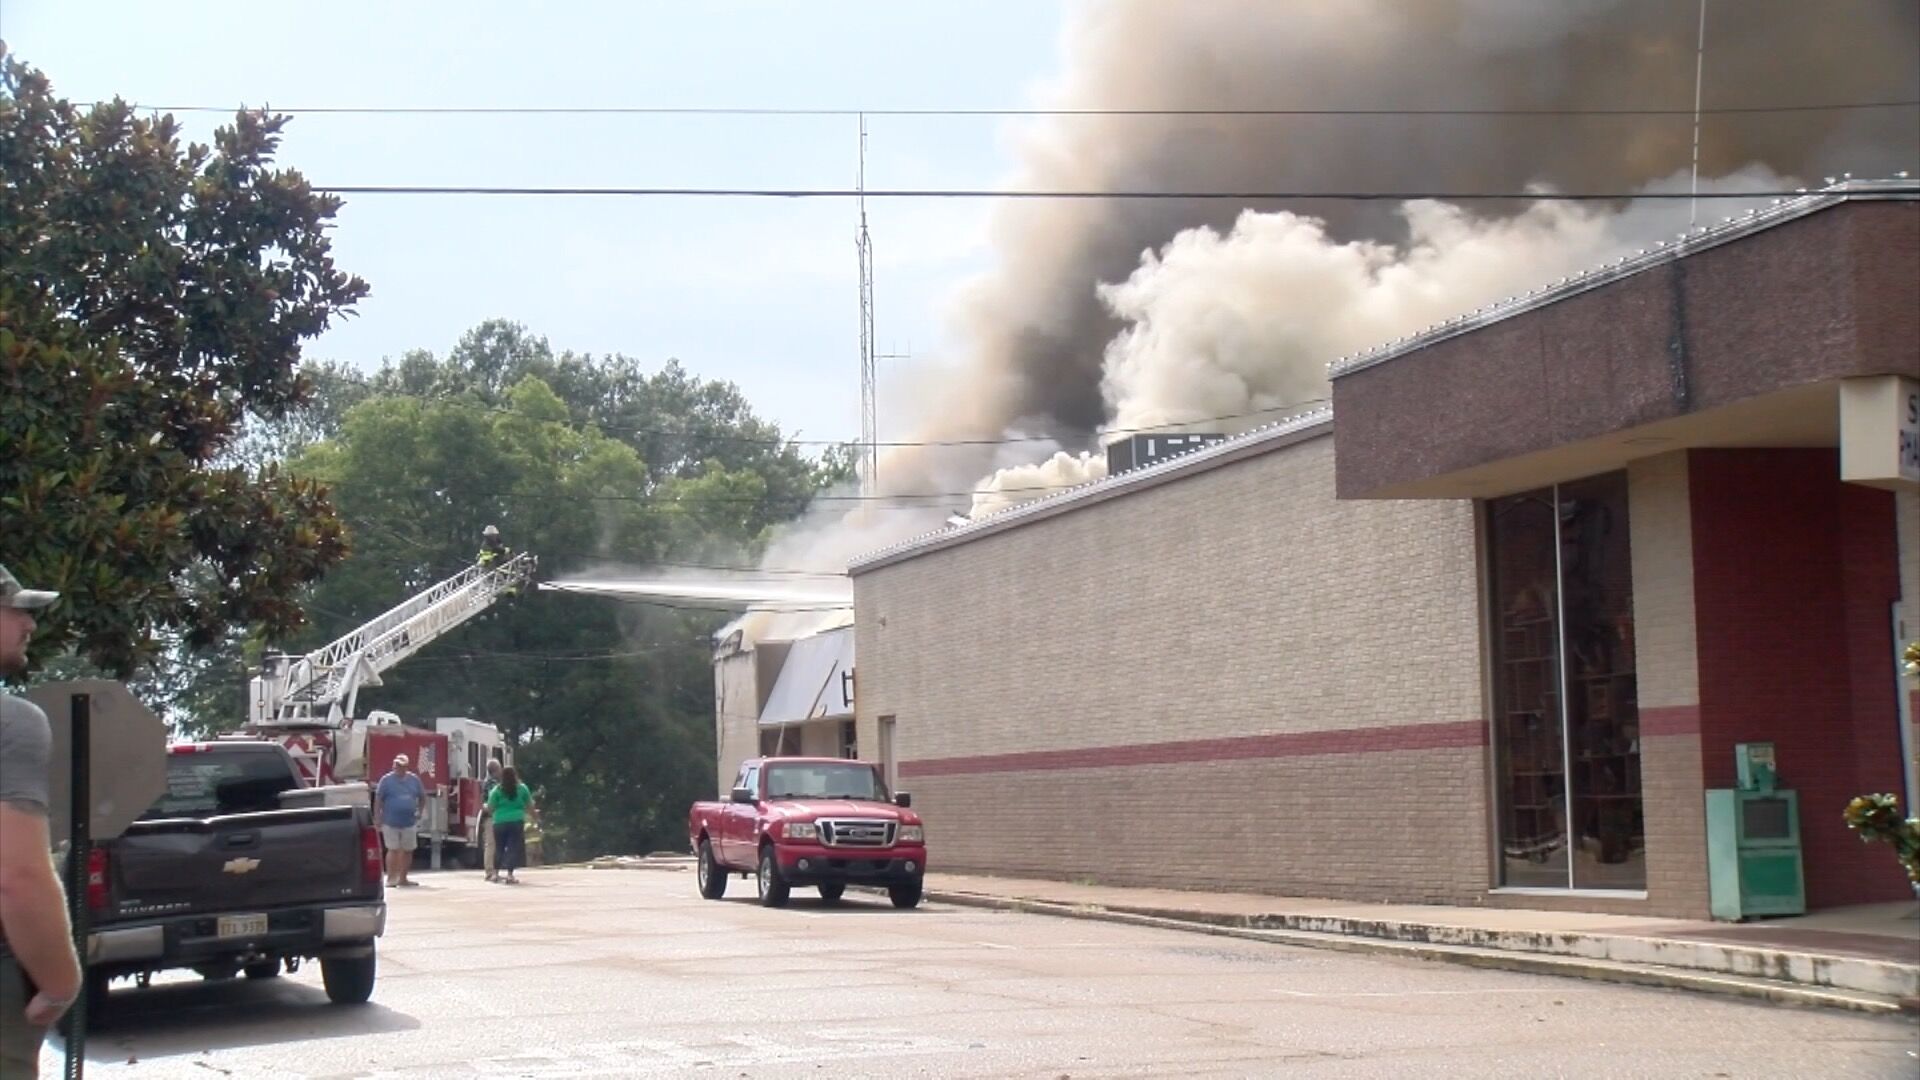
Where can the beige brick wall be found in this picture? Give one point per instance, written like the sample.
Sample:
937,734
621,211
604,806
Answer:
1286,826
1667,669
1241,601
1666,649
737,717
1238,601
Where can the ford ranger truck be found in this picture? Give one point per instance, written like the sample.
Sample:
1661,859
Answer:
222,877
821,822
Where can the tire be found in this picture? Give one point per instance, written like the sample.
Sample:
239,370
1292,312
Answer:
906,894
773,888
832,891
349,981
265,969
713,876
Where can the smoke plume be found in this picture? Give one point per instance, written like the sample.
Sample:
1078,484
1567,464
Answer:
1125,313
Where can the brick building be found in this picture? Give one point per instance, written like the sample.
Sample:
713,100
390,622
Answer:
1486,639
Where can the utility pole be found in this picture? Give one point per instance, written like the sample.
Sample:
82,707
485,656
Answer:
869,455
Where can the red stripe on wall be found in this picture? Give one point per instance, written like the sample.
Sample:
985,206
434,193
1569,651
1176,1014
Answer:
1670,720
1305,744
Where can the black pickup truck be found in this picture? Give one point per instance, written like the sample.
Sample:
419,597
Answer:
223,876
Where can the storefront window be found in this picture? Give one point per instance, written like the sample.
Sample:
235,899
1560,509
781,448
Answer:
1566,723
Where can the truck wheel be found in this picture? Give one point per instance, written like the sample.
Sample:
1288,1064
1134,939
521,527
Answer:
349,981
832,891
713,879
905,894
773,887
265,969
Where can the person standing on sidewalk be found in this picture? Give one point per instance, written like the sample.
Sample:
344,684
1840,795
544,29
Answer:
39,972
488,846
396,806
511,803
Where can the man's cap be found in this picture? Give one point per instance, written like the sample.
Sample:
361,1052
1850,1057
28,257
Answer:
402,759
14,595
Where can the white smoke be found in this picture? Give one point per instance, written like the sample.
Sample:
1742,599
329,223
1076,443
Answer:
1244,323
1016,484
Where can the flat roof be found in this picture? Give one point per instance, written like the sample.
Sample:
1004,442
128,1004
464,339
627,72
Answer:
1268,437
1693,240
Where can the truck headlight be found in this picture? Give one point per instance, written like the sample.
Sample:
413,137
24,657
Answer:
912,834
800,830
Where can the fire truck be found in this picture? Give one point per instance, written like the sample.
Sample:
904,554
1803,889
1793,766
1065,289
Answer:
307,703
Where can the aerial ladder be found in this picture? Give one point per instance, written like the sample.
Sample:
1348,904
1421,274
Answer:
308,702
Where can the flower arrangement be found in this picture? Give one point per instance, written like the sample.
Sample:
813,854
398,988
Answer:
1877,817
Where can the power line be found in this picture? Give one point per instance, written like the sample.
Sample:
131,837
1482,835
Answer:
1063,194
884,444
934,111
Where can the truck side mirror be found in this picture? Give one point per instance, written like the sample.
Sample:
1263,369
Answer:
902,799
743,795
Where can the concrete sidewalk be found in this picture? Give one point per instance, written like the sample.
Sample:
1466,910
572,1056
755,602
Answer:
1866,959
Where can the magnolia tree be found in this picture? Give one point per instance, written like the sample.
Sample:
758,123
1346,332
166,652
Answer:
154,298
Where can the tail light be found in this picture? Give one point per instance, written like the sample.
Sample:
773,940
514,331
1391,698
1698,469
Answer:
370,866
97,879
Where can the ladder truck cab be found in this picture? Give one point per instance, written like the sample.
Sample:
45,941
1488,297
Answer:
307,703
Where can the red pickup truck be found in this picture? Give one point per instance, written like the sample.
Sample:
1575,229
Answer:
824,822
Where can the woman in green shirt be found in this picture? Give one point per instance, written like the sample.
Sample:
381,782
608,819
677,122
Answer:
510,804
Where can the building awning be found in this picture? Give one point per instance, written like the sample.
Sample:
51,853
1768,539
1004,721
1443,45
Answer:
1736,335
815,683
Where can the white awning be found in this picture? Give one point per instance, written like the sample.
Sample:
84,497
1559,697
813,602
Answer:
815,683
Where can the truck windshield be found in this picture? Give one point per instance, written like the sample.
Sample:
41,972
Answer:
232,780
824,781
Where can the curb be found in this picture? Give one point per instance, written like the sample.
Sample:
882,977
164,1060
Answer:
1877,978
1601,970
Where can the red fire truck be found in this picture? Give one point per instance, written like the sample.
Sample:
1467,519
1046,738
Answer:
307,703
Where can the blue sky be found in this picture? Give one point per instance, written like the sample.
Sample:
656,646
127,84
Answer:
759,292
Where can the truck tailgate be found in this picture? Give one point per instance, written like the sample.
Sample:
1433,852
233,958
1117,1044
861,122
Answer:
237,862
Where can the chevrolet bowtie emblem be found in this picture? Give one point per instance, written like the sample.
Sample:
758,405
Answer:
241,865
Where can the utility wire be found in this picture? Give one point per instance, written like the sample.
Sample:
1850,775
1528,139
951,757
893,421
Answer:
1069,194
722,110
884,444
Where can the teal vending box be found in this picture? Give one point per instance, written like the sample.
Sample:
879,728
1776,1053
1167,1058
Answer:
1753,842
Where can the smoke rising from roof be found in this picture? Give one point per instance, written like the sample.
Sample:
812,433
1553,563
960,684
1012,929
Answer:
1128,313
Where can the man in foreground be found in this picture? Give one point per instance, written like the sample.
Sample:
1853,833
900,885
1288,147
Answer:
39,973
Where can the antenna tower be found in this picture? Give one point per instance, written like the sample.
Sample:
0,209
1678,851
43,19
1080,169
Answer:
869,456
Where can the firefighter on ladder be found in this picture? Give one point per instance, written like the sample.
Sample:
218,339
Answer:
491,549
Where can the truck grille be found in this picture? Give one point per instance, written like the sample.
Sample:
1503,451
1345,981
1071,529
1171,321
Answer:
856,833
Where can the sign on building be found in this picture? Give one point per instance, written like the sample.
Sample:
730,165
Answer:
1880,432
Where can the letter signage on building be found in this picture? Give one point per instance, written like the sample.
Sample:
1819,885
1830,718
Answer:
1880,432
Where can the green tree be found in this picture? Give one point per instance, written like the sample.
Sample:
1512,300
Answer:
153,299
682,427
611,704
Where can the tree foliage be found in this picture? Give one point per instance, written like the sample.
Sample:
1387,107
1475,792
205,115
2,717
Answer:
611,704
153,299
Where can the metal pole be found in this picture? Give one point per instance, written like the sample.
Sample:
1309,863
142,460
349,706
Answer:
1699,73
79,848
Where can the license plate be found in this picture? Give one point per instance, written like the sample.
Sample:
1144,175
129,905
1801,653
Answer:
242,925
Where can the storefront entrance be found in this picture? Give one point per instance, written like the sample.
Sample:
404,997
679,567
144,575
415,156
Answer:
1566,737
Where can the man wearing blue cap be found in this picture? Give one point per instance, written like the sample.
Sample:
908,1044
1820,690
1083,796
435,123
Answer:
39,973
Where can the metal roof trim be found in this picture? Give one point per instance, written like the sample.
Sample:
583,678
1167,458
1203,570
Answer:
1280,433
1699,238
